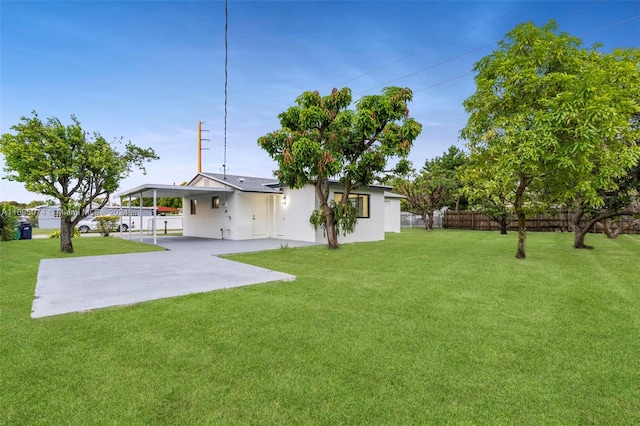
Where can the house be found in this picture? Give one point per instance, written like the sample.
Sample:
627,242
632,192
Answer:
244,207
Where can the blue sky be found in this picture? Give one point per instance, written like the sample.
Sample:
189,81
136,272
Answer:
149,70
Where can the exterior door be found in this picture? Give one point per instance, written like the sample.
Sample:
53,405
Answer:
260,210
387,216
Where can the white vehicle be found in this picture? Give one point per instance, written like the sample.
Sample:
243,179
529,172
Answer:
91,224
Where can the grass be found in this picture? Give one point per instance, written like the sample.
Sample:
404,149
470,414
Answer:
423,328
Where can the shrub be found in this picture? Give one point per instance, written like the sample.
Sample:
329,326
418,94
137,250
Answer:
56,234
7,226
107,224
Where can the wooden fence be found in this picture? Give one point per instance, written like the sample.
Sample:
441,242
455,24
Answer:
538,223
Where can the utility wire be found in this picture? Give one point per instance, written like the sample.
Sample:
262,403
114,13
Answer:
424,50
615,24
443,82
430,66
443,126
573,12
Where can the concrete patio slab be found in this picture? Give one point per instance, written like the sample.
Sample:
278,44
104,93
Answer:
190,265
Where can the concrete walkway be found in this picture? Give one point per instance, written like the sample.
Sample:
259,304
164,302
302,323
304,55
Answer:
190,265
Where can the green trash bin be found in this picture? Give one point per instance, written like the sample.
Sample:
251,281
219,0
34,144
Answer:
16,233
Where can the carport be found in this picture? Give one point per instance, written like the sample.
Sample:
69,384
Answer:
155,191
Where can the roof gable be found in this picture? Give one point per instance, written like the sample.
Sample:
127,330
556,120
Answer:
245,183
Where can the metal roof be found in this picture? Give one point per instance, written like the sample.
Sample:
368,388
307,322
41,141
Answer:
171,191
246,183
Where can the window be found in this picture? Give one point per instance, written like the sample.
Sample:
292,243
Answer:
193,206
361,201
215,202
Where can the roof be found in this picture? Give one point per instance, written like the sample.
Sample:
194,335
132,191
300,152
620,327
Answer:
164,209
147,190
245,183
388,194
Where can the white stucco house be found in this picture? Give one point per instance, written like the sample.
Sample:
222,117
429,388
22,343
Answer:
243,207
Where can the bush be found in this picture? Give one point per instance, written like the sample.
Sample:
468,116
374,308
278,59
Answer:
7,226
107,224
56,234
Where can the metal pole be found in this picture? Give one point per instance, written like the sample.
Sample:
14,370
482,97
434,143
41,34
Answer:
199,146
155,216
129,207
141,218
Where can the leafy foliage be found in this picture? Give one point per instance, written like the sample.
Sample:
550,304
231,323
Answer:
551,121
69,164
56,233
106,224
321,139
7,225
437,186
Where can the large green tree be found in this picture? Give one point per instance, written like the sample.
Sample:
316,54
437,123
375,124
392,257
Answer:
321,138
552,118
69,164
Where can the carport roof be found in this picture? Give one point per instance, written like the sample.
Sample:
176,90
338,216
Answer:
171,191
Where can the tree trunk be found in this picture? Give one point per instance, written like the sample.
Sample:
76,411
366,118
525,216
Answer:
322,191
429,223
578,241
425,220
522,219
522,233
577,217
66,230
581,231
332,234
503,225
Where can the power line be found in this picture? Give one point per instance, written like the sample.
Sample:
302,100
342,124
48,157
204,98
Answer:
606,27
573,12
424,50
430,67
443,82
444,126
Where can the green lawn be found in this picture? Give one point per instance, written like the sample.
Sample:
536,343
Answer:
423,328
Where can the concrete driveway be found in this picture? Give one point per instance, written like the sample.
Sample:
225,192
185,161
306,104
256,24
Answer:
190,265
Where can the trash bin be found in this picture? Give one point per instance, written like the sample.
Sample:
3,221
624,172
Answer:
16,233
25,231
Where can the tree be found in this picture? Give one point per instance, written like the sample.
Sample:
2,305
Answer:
492,197
417,197
69,164
551,120
321,139
623,200
435,187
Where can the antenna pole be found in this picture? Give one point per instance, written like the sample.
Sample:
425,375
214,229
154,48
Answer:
199,146
226,79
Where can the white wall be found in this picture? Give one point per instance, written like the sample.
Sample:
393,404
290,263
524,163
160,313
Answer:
252,215
207,222
367,229
49,217
392,215
292,218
